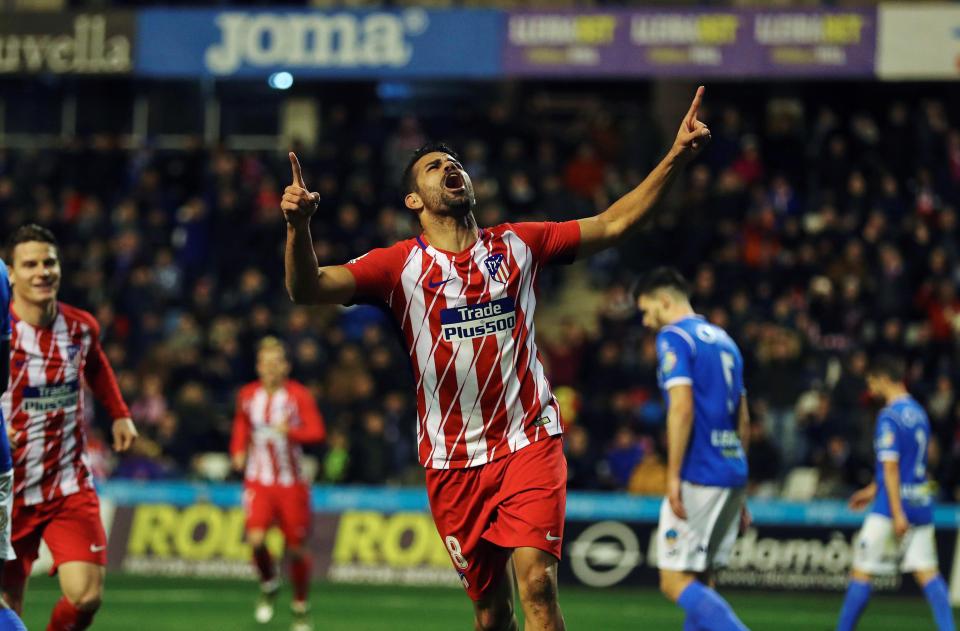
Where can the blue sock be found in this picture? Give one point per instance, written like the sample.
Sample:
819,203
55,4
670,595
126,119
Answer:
936,593
707,610
9,621
858,594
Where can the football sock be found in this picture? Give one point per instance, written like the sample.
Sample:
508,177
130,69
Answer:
264,563
9,621
858,593
936,593
66,617
300,577
707,610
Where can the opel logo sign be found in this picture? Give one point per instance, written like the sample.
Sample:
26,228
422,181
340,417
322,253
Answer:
605,553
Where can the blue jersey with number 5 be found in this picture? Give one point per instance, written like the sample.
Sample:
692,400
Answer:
694,352
903,433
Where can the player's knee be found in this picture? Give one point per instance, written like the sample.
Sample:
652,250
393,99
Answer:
538,585
89,601
14,600
496,619
670,586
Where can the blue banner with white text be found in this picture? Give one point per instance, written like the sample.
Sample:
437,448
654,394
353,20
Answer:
335,44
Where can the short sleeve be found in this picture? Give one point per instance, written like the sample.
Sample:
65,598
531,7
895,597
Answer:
376,272
551,241
5,331
885,441
674,357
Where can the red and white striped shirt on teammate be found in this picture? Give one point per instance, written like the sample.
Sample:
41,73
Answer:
273,457
44,403
467,320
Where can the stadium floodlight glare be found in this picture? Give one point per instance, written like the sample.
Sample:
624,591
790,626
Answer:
280,80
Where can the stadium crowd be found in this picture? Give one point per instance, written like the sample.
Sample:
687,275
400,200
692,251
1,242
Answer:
815,235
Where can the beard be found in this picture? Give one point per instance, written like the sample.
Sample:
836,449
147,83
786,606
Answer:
458,205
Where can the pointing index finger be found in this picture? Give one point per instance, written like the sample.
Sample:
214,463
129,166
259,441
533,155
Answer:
694,107
297,173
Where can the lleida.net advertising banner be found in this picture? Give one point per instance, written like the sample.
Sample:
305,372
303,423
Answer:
692,42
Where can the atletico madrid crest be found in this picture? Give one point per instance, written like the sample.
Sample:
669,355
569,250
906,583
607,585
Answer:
496,268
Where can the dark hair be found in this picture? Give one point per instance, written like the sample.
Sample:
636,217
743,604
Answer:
30,232
662,278
408,181
888,366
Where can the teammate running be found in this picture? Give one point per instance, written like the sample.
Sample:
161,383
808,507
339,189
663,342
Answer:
55,351
701,375
9,621
898,532
488,424
274,416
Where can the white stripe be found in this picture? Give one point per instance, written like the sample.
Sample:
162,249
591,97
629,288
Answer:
262,463
69,476
677,381
453,292
35,436
278,412
421,348
477,451
544,393
684,335
468,393
519,255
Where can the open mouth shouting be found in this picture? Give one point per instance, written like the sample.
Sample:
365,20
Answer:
454,183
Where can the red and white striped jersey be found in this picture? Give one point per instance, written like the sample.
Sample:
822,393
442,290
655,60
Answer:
44,402
273,456
467,321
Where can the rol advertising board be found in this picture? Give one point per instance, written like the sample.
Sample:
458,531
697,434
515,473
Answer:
388,536
692,42
346,44
90,43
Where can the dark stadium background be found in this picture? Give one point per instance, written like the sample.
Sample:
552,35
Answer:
820,226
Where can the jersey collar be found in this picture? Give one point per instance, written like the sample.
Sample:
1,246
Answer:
433,251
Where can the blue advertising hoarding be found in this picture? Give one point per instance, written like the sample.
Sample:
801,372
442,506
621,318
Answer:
331,44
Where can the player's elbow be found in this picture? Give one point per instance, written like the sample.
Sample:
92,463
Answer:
300,297
614,228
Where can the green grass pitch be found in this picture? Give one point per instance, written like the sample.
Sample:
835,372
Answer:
175,604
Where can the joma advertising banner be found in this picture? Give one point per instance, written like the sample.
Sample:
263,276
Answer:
346,44
692,42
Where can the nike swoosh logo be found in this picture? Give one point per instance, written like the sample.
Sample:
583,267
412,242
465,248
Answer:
434,284
96,549
549,538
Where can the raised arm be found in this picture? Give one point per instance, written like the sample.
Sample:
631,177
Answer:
619,220
307,282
